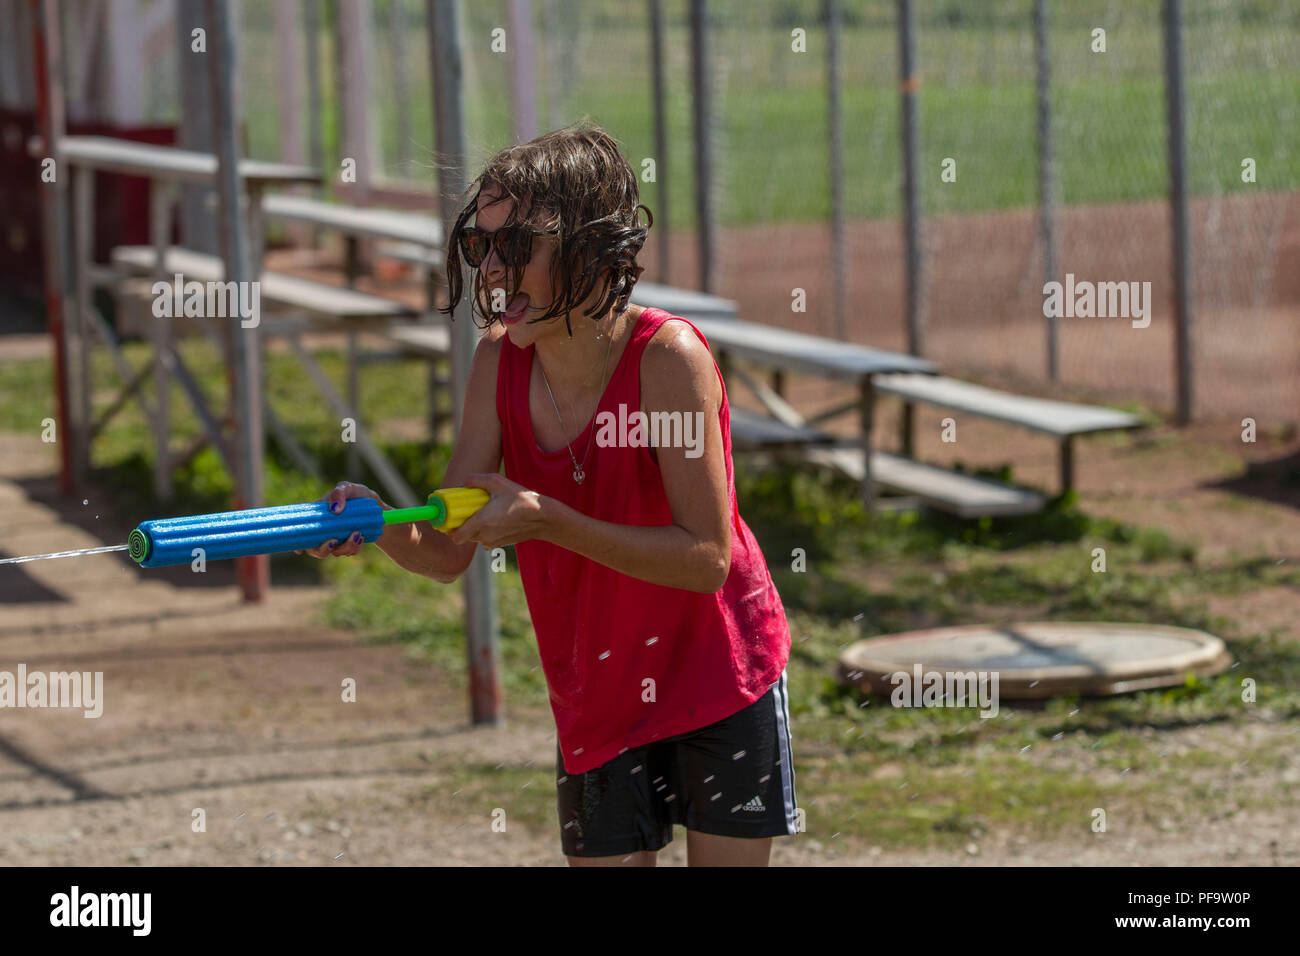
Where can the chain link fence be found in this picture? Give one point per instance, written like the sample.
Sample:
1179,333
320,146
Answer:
983,264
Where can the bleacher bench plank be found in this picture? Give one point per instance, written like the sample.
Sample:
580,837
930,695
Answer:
752,430
1061,419
797,352
412,252
323,300
430,341
356,220
687,303
963,495
167,162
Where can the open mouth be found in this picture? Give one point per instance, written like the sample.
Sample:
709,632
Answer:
516,308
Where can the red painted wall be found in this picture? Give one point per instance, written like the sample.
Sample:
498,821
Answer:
121,202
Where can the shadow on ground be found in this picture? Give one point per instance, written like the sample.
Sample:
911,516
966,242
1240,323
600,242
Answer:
1277,481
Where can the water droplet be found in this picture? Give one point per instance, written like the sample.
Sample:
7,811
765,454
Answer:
85,501
652,640
604,656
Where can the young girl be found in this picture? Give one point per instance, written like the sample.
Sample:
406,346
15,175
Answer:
663,640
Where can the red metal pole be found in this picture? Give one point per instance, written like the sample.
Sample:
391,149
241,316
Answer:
49,118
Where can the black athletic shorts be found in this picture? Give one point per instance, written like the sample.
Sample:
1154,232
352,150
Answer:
734,778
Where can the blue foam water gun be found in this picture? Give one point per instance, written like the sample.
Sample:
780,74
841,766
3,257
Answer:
237,534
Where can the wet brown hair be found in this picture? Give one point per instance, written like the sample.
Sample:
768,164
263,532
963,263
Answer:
576,182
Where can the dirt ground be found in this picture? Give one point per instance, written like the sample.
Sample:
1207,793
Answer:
236,711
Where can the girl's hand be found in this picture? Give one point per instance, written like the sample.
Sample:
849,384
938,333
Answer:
514,514
338,498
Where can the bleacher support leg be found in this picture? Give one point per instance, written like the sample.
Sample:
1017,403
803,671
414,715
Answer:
1067,464
354,403
866,415
724,366
83,212
907,430
160,238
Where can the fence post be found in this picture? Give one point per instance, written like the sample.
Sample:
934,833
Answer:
194,130
446,72
1046,184
358,138
315,105
908,82
245,353
288,73
701,86
1173,16
661,133
838,264
523,75
397,34
48,69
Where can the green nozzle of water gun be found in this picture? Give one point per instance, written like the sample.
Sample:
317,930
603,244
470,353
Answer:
447,508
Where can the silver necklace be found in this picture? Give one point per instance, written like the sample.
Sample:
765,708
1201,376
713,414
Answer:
578,472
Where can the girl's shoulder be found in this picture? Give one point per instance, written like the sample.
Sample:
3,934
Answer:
674,334
676,354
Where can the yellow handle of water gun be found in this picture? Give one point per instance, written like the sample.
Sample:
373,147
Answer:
460,504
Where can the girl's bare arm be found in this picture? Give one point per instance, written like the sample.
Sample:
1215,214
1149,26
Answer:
419,548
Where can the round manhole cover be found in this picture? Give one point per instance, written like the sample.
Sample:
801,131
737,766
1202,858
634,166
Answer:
1039,659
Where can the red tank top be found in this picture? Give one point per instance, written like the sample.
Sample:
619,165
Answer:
629,662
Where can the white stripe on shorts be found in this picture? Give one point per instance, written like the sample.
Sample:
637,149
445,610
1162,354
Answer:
781,699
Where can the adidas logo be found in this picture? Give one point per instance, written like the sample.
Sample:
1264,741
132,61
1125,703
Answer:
755,805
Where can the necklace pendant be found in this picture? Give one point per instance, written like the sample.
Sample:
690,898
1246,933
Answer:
578,475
